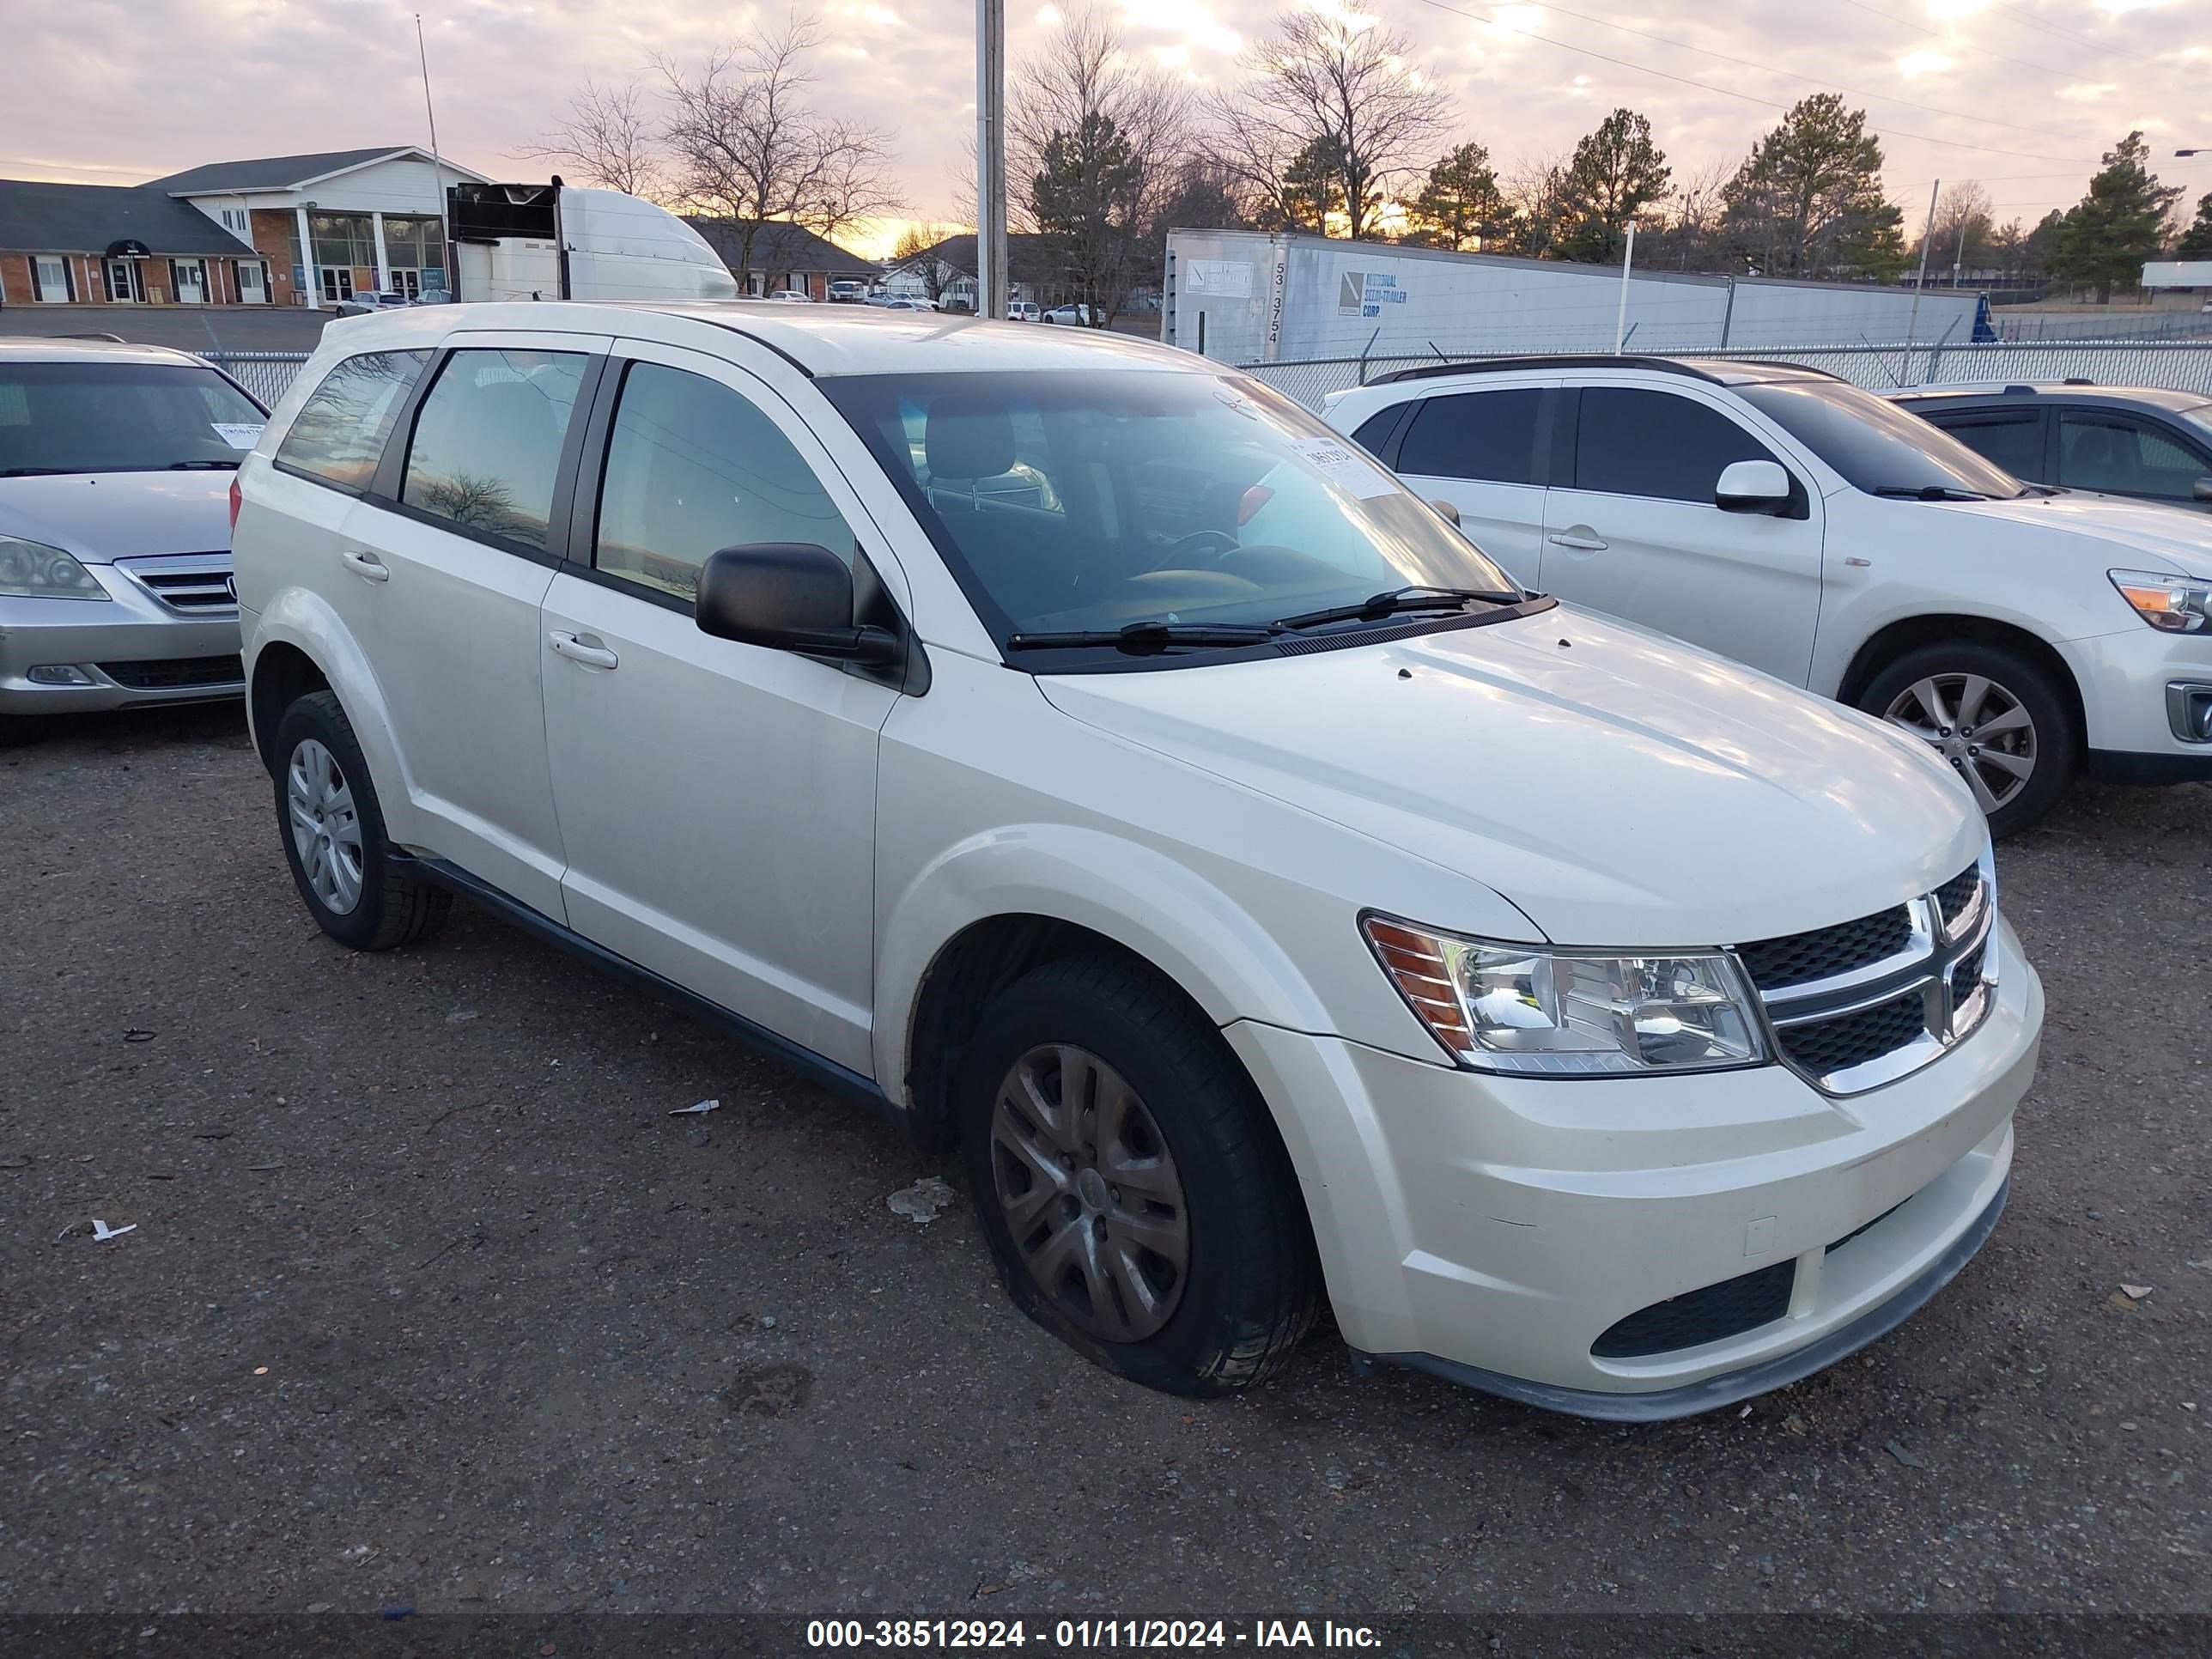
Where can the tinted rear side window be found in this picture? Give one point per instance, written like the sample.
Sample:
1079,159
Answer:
487,446
339,432
1634,442
2014,441
2104,451
1488,435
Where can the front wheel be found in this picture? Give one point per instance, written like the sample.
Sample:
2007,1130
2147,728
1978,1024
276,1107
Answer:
1130,1184
1996,717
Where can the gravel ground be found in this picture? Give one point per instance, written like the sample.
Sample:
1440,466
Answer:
431,1303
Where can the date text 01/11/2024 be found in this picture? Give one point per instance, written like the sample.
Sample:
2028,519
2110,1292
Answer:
1083,1635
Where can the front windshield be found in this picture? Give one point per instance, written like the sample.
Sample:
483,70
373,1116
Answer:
120,417
1073,501
1877,445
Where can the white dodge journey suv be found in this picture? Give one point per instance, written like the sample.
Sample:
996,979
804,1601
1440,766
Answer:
1789,519
1086,758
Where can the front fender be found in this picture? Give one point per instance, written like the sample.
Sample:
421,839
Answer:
1190,930
303,619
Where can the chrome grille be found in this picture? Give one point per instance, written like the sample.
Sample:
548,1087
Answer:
189,584
1865,1002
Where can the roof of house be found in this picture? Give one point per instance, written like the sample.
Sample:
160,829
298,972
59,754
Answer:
39,217
1027,254
778,244
289,172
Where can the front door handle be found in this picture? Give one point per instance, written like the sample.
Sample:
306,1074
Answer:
367,566
1581,540
582,649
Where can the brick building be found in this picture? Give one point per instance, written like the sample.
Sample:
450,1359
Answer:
307,230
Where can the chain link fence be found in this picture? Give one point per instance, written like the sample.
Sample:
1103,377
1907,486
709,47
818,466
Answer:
2179,364
267,374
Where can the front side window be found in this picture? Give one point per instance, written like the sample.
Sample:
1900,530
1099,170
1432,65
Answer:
1875,444
2111,453
2013,440
1630,440
1081,502
1490,436
693,467
339,432
120,417
487,447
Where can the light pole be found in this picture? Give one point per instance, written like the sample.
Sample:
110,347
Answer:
991,158
437,170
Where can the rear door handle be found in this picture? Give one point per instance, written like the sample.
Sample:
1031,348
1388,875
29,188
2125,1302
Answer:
583,649
367,566
1581,542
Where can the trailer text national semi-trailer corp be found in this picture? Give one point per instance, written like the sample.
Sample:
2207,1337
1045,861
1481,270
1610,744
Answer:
1246,296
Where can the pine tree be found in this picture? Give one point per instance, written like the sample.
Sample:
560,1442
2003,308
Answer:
2196,241
1808,202
1616,172
2107,235
1460,204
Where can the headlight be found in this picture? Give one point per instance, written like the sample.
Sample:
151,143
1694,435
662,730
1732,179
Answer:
32,570
2174,604
1565,1013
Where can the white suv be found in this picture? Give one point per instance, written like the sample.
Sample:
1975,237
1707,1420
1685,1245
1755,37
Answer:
1087,759
1786,519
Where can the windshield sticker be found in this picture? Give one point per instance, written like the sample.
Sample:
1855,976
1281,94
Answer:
239,434
1344,468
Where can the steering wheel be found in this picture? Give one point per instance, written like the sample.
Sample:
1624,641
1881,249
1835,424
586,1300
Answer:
1222,543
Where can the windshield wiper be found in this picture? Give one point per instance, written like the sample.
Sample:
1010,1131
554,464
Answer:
1379,606
212,466
1929,493
1143,638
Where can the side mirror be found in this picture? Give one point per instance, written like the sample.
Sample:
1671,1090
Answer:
2201,490
788,596
1752,487
1446,511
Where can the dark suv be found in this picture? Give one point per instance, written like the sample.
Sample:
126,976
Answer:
2118,440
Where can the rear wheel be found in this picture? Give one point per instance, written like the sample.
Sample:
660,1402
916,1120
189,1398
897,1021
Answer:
1996,717
1138,1200
334,839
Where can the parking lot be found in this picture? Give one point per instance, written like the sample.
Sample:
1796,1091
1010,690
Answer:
429,1302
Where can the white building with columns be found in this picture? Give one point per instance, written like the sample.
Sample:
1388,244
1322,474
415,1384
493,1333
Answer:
335,224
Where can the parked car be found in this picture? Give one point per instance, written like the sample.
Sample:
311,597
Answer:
1786,519
1023,311
847,291
2117,441
116,464
361,305
906,302
1266,895
790,296
1079,314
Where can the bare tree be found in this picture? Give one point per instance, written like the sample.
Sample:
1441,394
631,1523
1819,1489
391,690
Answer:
916,239
607,138
1688,237
1535,190
1337,85
1095,139
746,143
1962,230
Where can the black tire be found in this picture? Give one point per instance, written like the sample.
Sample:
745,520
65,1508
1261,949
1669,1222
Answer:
2057,731
392,909
1252,1288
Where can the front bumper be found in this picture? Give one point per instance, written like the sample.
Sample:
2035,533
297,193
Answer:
1495,1229
2133,684
130,651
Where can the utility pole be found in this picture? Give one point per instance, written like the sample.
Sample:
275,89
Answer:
1620,317
1927,235
1959,253
991,158
437,168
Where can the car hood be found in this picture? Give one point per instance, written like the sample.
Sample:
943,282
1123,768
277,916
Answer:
2175,538
1619,788
97,517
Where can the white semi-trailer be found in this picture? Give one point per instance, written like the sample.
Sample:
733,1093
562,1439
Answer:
558,241
1246,296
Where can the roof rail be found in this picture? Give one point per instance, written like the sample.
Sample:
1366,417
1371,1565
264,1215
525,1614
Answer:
1543,360
109,339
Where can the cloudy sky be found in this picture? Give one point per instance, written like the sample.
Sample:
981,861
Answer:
2026,93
